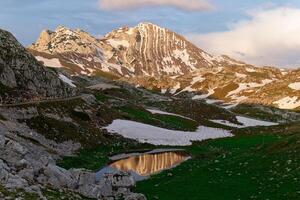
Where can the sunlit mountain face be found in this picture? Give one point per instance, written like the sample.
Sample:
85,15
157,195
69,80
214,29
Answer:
147,164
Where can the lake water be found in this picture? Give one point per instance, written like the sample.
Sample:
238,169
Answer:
142,165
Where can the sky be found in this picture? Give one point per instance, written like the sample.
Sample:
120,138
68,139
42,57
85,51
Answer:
264,33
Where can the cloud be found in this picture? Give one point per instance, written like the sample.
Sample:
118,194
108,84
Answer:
268,37
187,5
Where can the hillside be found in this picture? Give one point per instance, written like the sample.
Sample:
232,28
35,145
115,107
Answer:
23,77
156,58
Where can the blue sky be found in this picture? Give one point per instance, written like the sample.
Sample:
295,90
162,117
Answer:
26,19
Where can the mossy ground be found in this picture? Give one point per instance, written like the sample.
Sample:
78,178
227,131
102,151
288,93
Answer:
50,194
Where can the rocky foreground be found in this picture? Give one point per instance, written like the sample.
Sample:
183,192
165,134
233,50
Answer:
22,77
27,158
28,162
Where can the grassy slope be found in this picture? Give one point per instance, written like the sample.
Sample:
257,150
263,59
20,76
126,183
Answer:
265,113
95,158
261,166
165,121
50,194
253,165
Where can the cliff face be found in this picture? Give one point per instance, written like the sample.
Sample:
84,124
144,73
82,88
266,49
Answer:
22,75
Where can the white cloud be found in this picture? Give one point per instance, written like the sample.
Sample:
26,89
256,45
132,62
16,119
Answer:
189,5
269,37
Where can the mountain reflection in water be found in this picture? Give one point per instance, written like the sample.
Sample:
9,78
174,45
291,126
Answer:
147,164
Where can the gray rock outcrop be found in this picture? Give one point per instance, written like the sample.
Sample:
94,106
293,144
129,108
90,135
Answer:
28,162
23,76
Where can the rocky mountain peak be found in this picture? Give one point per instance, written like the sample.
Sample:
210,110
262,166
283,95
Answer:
64,40
22,75
144,50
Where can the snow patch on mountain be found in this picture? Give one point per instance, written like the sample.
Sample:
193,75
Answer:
160,136
66,80
240,75
174,89
118,43
197,79
203,96
213,101
246,122
54,62
295,86
208,58
250,122
184,56
251,70
156,111
288,103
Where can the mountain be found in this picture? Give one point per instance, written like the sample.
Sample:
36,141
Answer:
53,146
142,50
156,58
22,76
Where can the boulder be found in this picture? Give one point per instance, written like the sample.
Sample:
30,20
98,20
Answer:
16,182
59,177
135,196
121,180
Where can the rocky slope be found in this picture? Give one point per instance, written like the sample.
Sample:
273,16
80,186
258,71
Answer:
28,160
156,58
230,86
23,77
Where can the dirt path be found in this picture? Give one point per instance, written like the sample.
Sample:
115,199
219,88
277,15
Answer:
41,101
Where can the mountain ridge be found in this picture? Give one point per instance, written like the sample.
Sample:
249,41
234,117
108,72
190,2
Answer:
133,49
148,52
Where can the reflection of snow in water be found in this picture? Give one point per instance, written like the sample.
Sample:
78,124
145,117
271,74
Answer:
143,165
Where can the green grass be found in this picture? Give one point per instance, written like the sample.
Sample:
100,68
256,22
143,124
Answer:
17,194
95,158
265,113
2,118
60,131
196,110
243,167
101,97
51,194
165,121
80,115
4,89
